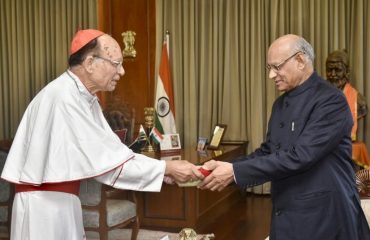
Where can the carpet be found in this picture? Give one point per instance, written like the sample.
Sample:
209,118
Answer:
144,234
4,235
125,234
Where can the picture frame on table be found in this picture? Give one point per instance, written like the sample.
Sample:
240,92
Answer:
218,134
202,142
170,142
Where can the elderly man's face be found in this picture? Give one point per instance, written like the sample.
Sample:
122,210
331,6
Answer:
108,65
283,69
336,73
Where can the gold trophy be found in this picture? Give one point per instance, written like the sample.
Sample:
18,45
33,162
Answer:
190,234
187,234
149,124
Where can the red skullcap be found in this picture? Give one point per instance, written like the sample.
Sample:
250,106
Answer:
83,37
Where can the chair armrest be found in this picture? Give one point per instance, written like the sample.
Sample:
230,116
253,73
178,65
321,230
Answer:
113,193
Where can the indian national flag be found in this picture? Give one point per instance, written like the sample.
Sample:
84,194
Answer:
156,135
164,101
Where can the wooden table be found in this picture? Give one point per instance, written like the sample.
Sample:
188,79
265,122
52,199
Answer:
179,207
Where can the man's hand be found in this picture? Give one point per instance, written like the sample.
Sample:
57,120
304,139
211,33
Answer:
169,180
221,176
182,171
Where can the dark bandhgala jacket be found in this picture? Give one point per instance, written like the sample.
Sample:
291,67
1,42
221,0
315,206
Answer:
307,158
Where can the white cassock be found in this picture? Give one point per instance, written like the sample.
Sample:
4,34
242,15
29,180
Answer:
64,137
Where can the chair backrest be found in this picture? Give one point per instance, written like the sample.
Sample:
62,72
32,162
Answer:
6,189
363,182
121,118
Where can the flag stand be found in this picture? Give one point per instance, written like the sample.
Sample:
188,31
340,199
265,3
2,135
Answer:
148,146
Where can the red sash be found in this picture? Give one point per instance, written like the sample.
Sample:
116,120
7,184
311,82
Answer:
67,187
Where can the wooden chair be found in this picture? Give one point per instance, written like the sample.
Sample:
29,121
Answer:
363,186
105,208
363,182
6,190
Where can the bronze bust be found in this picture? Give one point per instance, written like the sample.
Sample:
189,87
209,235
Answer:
338,73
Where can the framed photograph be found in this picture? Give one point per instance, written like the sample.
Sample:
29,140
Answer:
218,134
170,142
202,141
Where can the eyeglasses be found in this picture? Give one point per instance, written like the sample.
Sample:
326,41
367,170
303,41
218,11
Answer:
278,67
116,64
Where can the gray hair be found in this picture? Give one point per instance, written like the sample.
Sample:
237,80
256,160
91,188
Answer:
303,46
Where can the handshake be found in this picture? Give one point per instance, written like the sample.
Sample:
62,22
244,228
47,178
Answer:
213,175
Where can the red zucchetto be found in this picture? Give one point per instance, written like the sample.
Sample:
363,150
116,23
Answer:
83,37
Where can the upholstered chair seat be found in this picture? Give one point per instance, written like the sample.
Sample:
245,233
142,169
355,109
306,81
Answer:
4,192
117,212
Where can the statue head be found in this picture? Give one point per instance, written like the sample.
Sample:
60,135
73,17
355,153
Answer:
337,68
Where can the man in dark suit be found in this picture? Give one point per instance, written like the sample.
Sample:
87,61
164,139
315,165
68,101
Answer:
306,154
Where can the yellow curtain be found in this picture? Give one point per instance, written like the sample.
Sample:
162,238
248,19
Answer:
34,44
218,57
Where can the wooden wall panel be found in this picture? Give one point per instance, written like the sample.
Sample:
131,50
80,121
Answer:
137,86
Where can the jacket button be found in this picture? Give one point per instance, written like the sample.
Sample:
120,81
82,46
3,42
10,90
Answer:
281,125
277,146
278,213
286,104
